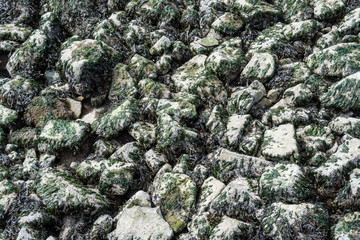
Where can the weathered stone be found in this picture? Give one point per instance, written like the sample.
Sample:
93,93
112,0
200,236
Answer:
230,228
261,66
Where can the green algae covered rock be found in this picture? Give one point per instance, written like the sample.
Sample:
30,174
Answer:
116,119
61,193
340,60
344,94
176,195
293,221
86,65
7,116
261,66
347,227
62,134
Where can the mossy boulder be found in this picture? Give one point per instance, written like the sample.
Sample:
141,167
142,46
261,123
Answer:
116,119
176,195
87,66
62,134
60,193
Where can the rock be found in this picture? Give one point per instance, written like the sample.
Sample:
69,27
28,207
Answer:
144,133
7,196
237,199
141,223
243,100
191,78
17,93
215,123
343,125
296,10
252,140
122,85
301,30
28,59
116,119
117,178
14,33
172,136
7,116
179,109
346,227
62,134
176,195
295,221
227,60
75,107
60,193
42,109
280,143
298,95
349,196
331,174
151,89
209,190
140,198
200,227
101,226
336,61
230,228
228,24
86,65
316,138
235,128
284,182
154,160
141,67
261,66
163,65
30,164
343,94
227,164
161,46
327,9
129,152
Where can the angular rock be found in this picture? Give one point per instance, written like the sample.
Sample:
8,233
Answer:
7,196
235,128
343,125
230,228
141,67
327,9
123,85
280,143
237,199
176,195
141,223
209,190
347,227
227,164
344,94
116,119
151,89
14,33
154,160
331,174
340,60
60,193
283,182
62,134
144,133
86,66
228,24
7,116
261,66
282,221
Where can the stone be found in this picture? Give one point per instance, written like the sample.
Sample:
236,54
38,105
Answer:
62,134
228,24
14,33
235,128
7,196
161,46
343,125
328,9
86,66
280,143
241,101
282,220
141,67
237,199
155,160
101,226
150,89
209,190
261,66
7,116
230,228
347,227
343,94
227,164
141,223
227,60
144,133
284,182
301,30
62,194
176,195
340,60
123,85
331,174
116,119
